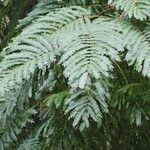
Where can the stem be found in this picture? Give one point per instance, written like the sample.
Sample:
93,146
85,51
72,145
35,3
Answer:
121,72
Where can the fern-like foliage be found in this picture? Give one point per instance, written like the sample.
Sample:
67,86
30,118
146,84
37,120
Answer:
86,104
20,63
23,56
30,144
138,48
76,74
84,55
137,8
42,8
9,132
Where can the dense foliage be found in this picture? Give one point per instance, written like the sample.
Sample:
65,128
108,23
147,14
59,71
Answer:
75,75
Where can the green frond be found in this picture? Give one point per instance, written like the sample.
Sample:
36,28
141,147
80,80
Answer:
9,132
88,57
29,52
82,105
137,8
56,99
88,53
138,48
131,97
54,130
30,144
42,8
67,78
45,83
49,24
